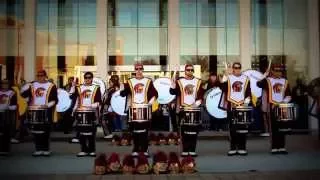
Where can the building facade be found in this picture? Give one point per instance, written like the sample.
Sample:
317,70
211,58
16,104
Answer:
67,37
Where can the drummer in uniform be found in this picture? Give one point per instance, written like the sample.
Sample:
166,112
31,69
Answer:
142,91
278,91
42,93
189,91
237,92
88,97
8,101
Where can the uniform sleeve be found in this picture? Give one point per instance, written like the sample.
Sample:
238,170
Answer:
248,90
200,93
97,97
53,96
175,91
224,86
287,91
126,91
262,83
27,93
14,100
152,92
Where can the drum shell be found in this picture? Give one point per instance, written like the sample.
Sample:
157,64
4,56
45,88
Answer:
242,118
283,118
190,116
85,120
37,118
5,121
140,113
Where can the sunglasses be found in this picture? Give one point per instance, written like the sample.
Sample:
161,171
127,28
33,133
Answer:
88,77
190,70
237,67
138,69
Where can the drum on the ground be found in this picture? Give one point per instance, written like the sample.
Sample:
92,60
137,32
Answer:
64,101
85,120
37,117
212,100
242,118
140,113
285,114
162,85
190,116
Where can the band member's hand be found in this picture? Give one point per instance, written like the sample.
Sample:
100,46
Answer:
173,83
287,99
266,74
44,106
25,87
173,105
247,101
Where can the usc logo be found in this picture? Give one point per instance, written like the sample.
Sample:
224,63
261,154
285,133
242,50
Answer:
138,88
188,90
86,93
277,88
237,86
40,92
4,99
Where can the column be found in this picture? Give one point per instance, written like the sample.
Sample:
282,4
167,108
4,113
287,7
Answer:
314,64
101,41
245,33
29,40
173,34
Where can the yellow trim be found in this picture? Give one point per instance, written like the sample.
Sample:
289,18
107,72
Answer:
146,91
132,91
48,92
229,94
181,92
94,94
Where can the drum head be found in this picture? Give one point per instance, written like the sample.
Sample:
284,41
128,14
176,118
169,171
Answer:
162,85
254,77
99,82
212,99
118,103
64,101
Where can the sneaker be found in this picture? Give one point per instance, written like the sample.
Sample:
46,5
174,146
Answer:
74,140
82,154
283,151
193,154
184,154
37,153
242,152
46,153
265,134
274,151
232,152
110,136
92,154
134,154
14,141
146,154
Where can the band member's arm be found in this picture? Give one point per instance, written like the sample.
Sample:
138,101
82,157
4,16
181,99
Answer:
53,97
287,95
199,98
152,94
247,94
176,90
13,102
126,91
97,99
262,83
26,93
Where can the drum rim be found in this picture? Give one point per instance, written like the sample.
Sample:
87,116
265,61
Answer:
142,105
183,108
284,105
35,107
243,108
85,110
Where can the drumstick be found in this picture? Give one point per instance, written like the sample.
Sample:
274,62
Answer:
269,65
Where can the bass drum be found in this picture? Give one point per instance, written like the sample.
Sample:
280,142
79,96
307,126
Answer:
212,100
64,101
162,85
99,82
118,103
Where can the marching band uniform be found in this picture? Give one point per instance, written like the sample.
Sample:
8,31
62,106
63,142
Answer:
8,102
190,94
278,91
42,94
88,96
142,91
236,92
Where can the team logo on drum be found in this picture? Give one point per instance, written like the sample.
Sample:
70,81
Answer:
40,92
86,93
138,88
188,90
4,99
237,86
277,88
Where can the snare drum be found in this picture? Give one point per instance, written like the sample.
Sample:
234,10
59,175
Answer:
37,118
140,113
285,113
242,118
5,121
85,119
190,116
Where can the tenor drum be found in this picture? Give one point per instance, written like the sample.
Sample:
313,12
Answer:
85,119
242,118
5,121
140,113
285,114
190,116
37,118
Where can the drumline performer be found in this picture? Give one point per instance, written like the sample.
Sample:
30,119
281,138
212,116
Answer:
190,93
278,91
88,98
8,106
142,91
237,92
43,94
